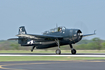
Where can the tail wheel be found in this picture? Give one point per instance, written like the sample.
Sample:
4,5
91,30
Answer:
58,51
73,51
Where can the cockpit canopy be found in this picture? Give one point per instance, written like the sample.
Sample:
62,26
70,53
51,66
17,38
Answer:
55,30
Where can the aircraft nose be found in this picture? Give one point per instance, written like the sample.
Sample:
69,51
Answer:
79,34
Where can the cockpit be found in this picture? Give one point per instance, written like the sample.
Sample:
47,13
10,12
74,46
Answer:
58,29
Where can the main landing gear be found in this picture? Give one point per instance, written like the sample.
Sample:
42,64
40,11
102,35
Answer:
58,51
73,51
32,48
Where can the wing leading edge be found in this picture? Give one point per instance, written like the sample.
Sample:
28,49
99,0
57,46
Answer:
32,36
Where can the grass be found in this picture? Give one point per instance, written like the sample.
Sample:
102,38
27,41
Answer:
51,51
46,58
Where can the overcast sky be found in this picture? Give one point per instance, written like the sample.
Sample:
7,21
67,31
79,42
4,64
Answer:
41,15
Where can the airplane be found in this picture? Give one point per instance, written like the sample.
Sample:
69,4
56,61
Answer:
55,37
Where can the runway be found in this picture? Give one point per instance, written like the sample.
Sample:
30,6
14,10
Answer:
53,54
53,65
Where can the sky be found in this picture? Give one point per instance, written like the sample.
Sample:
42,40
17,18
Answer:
40,15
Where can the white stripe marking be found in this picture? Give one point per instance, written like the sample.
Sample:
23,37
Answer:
60,55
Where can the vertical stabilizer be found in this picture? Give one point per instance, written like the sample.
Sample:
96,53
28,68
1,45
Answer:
22,30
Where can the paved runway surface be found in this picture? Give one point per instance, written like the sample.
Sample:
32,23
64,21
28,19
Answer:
53,54
53,65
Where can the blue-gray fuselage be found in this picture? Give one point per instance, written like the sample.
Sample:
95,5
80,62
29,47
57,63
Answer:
70,36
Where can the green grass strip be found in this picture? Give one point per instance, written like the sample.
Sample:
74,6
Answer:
46,58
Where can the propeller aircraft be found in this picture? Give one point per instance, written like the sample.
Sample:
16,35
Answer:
56,37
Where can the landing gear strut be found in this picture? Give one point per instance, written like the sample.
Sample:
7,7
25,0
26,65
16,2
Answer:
73,51
32,48
58,51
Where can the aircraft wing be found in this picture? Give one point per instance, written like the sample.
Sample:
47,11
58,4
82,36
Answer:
89,34
32,36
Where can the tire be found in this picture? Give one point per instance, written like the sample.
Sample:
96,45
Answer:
73,51
58,51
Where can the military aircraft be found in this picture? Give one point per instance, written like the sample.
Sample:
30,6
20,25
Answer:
55,37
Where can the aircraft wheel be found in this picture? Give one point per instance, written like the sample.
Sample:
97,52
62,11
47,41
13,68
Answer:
58,51
73,51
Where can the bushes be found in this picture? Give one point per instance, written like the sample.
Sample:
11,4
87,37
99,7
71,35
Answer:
15,46
93,44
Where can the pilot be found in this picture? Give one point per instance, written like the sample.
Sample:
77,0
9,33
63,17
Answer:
59,29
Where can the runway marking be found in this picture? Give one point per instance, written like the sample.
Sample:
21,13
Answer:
59,55
2,66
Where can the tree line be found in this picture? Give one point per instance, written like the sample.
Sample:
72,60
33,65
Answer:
93,44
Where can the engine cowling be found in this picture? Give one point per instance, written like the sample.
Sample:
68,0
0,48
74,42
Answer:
79,35
76,36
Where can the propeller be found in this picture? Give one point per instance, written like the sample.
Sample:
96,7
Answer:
82,26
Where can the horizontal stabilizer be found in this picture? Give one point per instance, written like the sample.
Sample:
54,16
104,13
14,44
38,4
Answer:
16,38
13,39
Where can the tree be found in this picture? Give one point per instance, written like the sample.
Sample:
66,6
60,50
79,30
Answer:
97,43
15,46
103,45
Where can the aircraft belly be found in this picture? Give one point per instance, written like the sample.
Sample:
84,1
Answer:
51,44
46,44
